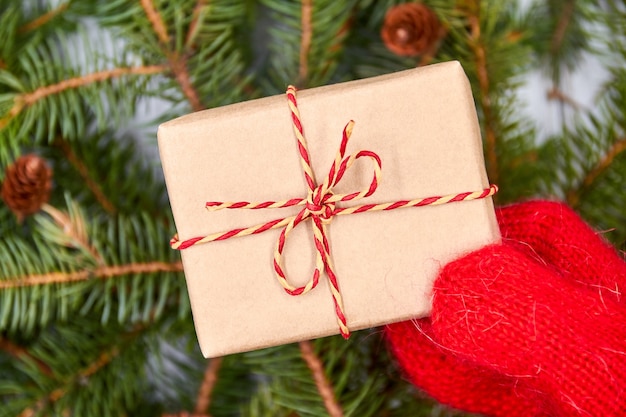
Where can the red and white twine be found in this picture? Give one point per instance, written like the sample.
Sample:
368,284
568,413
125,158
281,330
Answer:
320,206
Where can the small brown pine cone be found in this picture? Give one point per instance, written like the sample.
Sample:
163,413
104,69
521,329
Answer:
410,29
27,184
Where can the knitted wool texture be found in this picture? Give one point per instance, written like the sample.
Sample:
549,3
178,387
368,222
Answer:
535,326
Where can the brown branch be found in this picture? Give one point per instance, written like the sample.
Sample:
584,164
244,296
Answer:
203,401
101,361
104,359
28,99
573,197
155,19
305,41
18,105
103,272
556,94
177,62
20,352
193,26
43,19
323,386
82,169
480,56
75,229
208,384
43,92
561,26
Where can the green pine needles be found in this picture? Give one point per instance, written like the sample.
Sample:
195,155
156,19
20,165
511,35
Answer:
94,313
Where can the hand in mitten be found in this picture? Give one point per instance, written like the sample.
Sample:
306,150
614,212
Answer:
535,326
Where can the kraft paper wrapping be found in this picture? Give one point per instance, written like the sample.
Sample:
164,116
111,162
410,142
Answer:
421,122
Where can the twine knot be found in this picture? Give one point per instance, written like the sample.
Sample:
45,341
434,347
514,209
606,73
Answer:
318,206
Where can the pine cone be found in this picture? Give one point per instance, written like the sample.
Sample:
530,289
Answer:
410,29
27,185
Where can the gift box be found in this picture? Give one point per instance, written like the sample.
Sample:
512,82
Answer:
367,233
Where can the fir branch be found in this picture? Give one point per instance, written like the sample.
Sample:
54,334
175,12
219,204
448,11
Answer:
43,19
102,272
323,386
75,229
480,56
155,19
177,62
561,27
573,197
84,173
305,40
28,99
22,353
101,361
208,384
42,92
193,26
556,94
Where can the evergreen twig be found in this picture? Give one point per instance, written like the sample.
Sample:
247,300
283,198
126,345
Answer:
103,272
193,26
28,99
101,361
206,388
480,56
82,169
565,18
155,19
21,353
43,19
573,197
177,62
323,385
305,40
75,229
179,68
556,94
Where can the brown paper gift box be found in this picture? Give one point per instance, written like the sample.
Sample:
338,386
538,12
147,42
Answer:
421,122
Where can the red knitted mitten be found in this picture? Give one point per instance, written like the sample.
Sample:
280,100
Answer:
532,327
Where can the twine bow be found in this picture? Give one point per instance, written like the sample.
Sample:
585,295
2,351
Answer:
320,206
